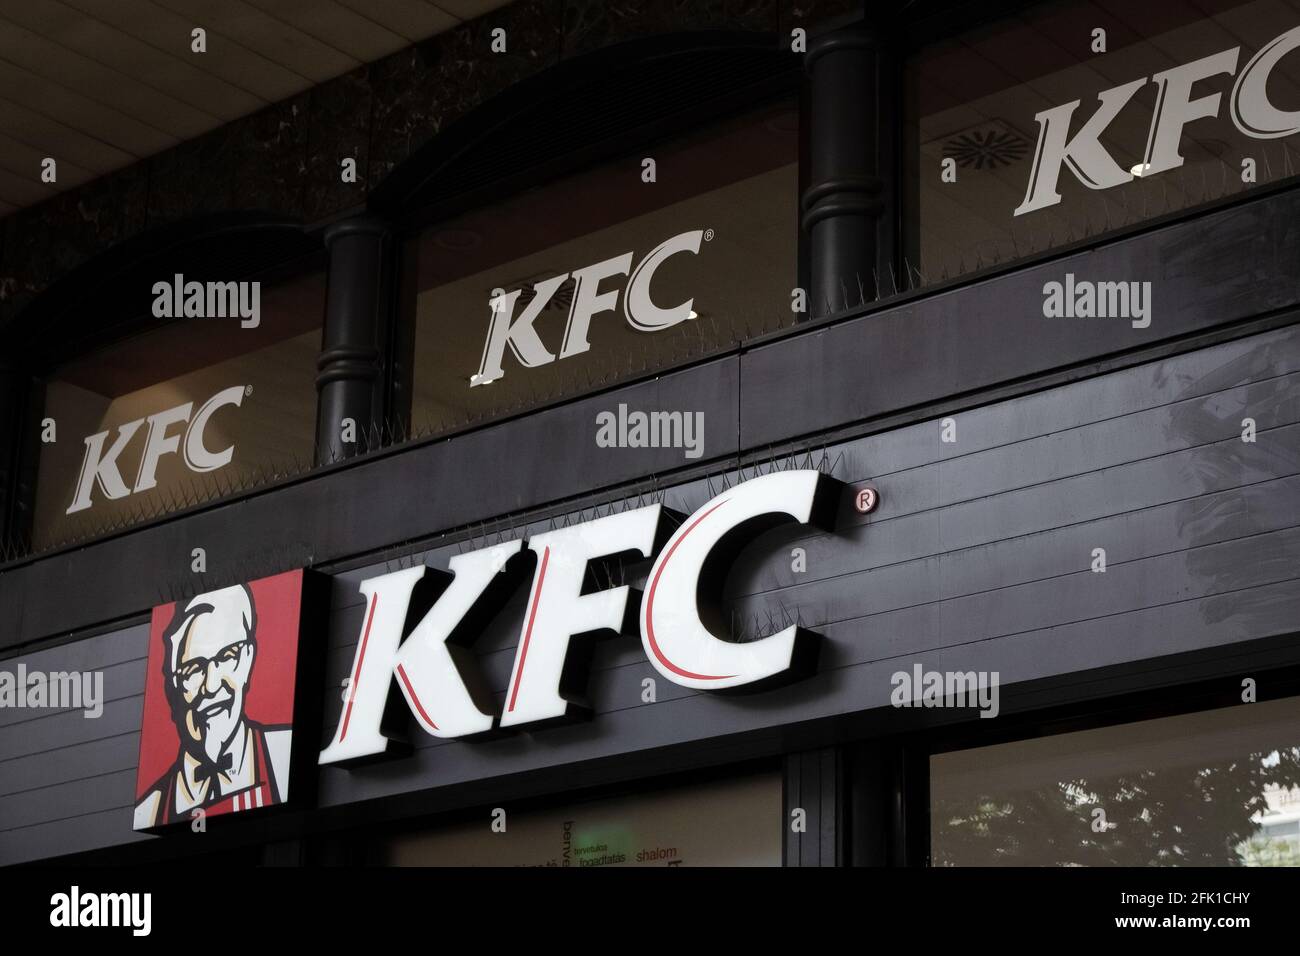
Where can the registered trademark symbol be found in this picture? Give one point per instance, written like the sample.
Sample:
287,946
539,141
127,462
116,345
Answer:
708,235
248,390
866,500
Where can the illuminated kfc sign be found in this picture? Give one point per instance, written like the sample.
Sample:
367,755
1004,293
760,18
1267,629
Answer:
678,618
219,703
219,721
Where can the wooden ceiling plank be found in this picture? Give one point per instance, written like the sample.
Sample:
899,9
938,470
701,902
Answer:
164,29
23,190
414,20
72,109
357,35
20,157
269,36
69,180
58,139
99,84
469,9
175,71
108,87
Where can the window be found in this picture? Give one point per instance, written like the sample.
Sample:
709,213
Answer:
1216,788
1050,141
725,823
179,414
604,276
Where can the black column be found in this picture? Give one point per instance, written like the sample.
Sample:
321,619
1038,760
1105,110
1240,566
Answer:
849,187
18,450
350,376
814,788
888,803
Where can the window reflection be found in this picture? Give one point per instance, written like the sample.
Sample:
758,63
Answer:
1217,788
722,212
198,406
733,822
976,100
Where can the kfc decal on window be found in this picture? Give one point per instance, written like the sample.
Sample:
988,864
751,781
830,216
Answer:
639,308
1185,94
218,725
100,466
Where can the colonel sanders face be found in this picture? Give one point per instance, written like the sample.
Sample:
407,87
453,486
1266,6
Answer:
211,644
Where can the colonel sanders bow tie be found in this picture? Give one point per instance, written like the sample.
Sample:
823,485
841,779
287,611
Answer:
210,769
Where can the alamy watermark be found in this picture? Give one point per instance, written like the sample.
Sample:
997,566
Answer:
637,429
75,908
208,300
1085,299
922,688
74,690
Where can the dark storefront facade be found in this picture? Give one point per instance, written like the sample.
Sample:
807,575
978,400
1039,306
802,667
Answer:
988,313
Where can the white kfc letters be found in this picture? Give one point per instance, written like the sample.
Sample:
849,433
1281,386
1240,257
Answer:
100,467
429,674
1249,107
559,613
686,582
588,301
568,606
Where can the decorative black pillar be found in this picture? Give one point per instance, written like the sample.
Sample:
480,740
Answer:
18,449
888,804
849,189
350,376
814,822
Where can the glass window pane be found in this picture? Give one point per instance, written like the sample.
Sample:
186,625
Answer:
726,823
726,195
179,414
984,99
1216,788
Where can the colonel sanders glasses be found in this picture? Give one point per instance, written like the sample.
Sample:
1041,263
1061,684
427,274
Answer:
224,662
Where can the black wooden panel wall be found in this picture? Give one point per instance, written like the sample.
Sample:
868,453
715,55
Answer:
978,558
813,811
67,782
1234,265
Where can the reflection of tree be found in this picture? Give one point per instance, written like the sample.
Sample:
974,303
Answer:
1259,850
1169,816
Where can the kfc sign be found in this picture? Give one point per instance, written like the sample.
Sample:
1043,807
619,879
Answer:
219,701
639,309
677,618
100,466
1249,107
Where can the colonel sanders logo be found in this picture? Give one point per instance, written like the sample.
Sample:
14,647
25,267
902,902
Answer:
209,652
